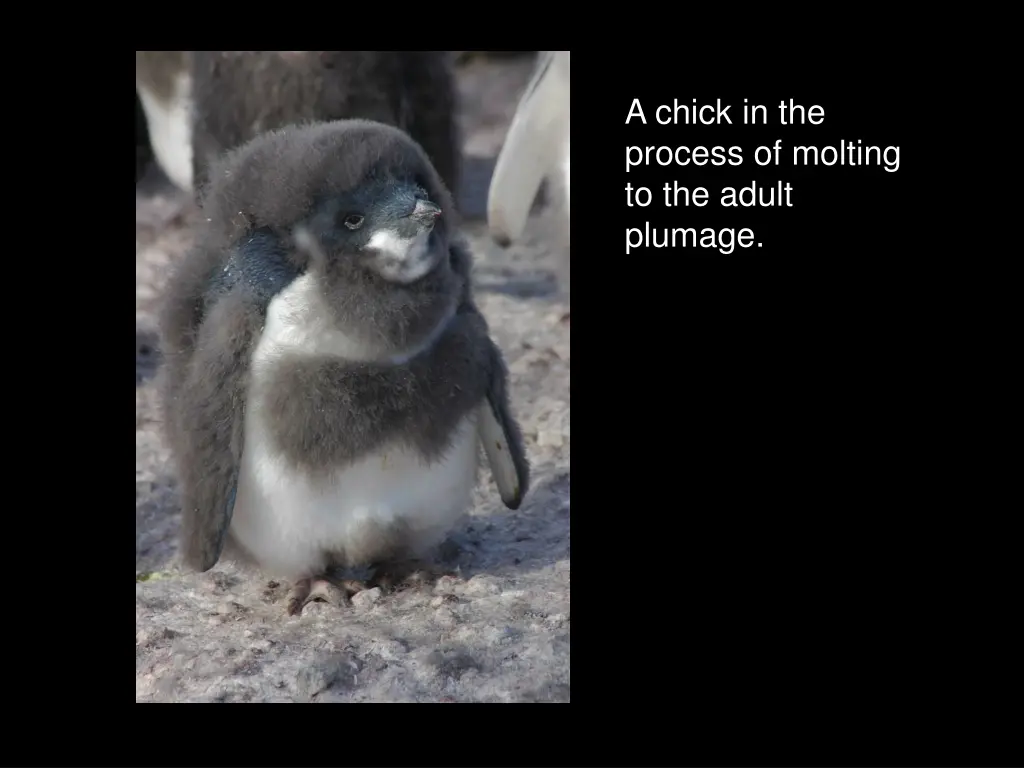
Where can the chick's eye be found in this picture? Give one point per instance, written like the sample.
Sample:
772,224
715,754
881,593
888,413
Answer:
353,221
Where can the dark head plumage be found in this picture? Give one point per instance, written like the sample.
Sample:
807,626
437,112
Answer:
356,204
284,176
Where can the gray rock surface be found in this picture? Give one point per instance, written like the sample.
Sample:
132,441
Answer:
498,631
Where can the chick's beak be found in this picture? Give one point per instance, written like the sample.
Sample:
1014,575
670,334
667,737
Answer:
426,213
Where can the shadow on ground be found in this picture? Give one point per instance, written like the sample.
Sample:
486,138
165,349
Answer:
506,542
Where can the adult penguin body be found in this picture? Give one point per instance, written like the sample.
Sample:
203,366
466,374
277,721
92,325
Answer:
164,89
240,94
536,149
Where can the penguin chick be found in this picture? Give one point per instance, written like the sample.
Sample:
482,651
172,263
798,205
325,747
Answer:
536,147
327,374
163,85
239,94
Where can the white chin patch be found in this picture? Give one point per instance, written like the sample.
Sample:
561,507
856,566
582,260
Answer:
402,259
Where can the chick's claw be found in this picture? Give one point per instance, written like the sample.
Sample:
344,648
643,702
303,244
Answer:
330,591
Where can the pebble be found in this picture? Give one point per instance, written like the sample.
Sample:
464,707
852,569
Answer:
392,649
336,669
481,586
551,438
445,617
446,585
367,598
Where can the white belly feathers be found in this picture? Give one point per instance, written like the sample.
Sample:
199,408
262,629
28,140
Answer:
288,521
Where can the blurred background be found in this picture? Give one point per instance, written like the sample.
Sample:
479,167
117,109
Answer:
490,85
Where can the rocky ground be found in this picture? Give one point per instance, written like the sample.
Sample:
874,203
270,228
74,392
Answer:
497,633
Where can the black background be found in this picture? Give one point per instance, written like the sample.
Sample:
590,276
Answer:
763,427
